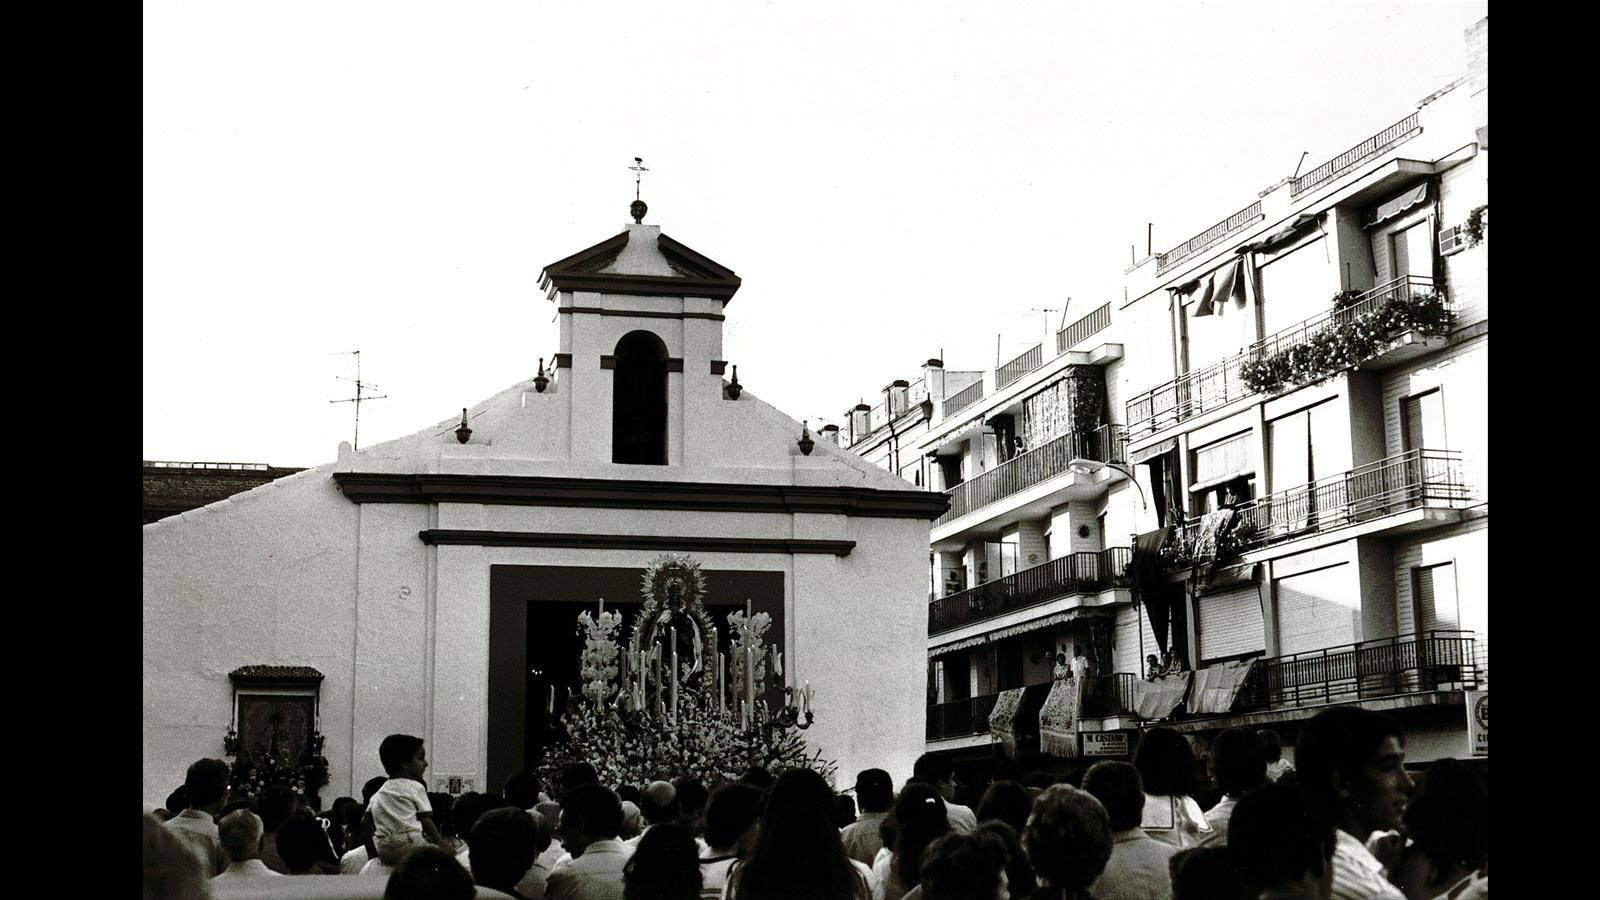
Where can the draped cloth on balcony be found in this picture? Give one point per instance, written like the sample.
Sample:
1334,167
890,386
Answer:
1210,293
1145,571
1157,699
1003,720
1211,527
1058,720
1216,686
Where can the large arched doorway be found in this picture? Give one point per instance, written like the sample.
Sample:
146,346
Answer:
639,400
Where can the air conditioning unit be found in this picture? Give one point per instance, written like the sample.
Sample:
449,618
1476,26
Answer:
1452,240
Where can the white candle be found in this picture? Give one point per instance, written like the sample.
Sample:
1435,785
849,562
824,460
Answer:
722,698
550,702
750,676
672,635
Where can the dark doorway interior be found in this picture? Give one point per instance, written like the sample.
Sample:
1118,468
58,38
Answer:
639,401
534,642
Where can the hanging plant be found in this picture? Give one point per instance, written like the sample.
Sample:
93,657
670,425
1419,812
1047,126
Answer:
1346,344
1477,223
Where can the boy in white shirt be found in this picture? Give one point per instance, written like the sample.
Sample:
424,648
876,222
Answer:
402,817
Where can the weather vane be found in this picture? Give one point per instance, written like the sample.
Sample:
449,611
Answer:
638,209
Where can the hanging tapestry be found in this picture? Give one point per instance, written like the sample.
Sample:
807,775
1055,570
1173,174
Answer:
1058,720
1003,719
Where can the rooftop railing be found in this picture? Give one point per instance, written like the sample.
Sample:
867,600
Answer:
1078,331
1239,220
1377,668
1411,480
1107,443
1028,361
1076,573
1395,134
963,398
1224,382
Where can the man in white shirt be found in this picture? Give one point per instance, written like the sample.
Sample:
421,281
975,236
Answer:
591,816
1139,868
875,793
1238,765
1352,764
206,783
939,771
240,832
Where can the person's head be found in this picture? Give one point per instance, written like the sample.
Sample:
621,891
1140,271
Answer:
632,821
938,769
757,776
1117,786
522,790
1006,770
1068,838
1166,763
1061,659
1207,873
469,807
844,810
1036,782
964,867
502,845
1020,880
1280,840
371,787
1007,801
731,818
1447,818
429,873
627,793
274,805
1352,763
1271,745
550,810
797,850
206,783
403,756
177,801
578,774
666,866
235,804
240,834
301,843
1237,761
1077,651
171,871
920,819
874,790
692,797
658,802
589,813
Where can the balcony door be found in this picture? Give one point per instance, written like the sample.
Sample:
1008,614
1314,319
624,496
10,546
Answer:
1308,449
1411,250
1422,428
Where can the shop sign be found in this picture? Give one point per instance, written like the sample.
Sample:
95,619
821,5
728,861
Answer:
1478,722
1105,743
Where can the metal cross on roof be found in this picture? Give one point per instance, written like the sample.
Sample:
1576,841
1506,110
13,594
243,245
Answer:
638,209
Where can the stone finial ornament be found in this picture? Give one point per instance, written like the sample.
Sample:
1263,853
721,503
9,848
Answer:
806,443
463,432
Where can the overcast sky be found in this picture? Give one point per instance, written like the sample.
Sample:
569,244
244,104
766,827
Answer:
891,180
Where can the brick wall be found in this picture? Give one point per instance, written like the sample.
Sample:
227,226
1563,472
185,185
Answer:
169,490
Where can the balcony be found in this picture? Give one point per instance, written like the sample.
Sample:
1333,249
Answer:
1314,350
1081,330
963,398
1105,696
1107,443
1378,668
1028,361
1238,221
960,717
1075,573
1390,137
1416,479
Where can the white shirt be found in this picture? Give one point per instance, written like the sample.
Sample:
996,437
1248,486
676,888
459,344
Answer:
1357,874
962,819
395,807
250,868
351,862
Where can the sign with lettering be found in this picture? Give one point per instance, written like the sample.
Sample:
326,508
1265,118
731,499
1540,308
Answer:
1478,722
1105,743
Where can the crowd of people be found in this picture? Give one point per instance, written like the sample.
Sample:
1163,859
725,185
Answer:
1344,821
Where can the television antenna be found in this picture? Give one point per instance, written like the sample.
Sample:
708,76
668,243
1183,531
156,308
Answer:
360,387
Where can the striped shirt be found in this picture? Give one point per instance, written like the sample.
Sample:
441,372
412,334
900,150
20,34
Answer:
1357,874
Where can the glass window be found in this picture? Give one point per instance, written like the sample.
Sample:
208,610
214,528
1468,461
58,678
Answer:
1296,286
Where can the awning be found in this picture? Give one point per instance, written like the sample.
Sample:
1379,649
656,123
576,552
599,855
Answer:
1215,687
1398,205
1058,720
1003,719
1299,226
1070,615
1154,450
1157,699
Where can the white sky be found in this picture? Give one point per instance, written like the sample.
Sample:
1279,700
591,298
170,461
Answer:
889,179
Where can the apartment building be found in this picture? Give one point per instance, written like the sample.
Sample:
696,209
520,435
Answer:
1267,465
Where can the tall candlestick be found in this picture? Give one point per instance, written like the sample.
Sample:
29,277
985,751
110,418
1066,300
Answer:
550,701
655,664
722,698
750,676
672,635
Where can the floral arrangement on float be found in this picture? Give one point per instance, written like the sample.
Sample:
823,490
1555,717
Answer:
254,773
669,703
1346,341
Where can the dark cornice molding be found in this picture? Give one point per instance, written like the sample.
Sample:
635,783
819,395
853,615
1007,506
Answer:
599,493
646,285
641,314
572,540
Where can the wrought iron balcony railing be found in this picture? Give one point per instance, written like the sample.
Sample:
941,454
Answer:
963,398
1239,220
1026,362
1222,383
1075,573
1412,480
1397,133
1104,444
959,717
1070,336
1378,668
1107,695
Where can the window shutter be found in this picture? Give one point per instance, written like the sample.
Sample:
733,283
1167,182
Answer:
1317,610
1229,623
1437,609
1423,418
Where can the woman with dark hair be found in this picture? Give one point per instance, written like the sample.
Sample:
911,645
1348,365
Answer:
963,867
1068,838
1166,764
920,819
1007,801
666,866
1447,830
1020,880
798,854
